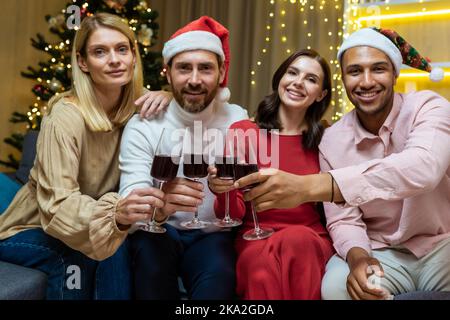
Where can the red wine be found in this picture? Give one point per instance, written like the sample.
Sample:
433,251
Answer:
225,167
163,168
194,166
243,169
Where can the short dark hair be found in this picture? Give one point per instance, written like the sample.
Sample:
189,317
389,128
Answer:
267,113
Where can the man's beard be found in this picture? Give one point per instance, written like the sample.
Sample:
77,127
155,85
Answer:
194,106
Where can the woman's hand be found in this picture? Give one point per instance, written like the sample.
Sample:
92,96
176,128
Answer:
217,185
153,102
138,205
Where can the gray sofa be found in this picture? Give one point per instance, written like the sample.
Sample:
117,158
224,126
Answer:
16,282
19,283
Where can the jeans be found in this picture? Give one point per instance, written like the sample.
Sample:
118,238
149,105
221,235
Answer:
204,261
71,274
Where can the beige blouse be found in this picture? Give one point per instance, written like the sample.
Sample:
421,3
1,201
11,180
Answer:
71,191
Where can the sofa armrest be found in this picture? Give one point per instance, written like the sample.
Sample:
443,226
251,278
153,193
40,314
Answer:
20,283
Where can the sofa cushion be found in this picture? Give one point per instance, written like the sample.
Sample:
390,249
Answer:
424,295
20,283
28,155
8,190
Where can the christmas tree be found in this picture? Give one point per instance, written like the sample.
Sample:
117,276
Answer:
53,76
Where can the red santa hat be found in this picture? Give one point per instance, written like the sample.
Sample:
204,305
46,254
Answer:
204,33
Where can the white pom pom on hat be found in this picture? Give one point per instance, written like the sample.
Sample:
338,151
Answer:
437,74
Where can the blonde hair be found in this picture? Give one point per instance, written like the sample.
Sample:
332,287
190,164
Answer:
82,87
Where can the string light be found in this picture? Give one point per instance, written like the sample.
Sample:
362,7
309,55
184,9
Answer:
422,13
419,75
277,26
278,10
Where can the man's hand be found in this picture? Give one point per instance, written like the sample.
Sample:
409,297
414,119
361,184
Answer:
276,189
153,102
216,184
182,195
362,265
282,190
138,205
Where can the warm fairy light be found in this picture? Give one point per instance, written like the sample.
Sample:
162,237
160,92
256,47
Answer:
418,74
279,30
406,15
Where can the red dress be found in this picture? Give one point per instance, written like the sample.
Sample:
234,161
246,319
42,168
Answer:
289,264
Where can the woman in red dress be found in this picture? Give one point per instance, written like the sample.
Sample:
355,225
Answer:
289,264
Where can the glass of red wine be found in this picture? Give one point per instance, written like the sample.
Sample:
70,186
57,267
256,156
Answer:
164,168
224,163
195,167
245,166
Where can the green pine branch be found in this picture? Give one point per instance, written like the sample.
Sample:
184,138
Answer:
13,163
15,140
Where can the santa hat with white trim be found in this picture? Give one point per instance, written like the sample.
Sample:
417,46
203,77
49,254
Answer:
394,46
204,33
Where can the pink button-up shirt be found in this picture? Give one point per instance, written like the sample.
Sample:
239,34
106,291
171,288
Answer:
396,184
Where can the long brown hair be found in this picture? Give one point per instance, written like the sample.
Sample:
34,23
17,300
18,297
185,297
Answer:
267,114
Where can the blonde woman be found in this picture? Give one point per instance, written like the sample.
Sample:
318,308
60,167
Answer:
69,214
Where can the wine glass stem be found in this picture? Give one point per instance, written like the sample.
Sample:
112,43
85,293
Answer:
227,207
196,219
160,186
255,218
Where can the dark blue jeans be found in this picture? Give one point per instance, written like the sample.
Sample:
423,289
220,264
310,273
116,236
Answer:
71,274
204,261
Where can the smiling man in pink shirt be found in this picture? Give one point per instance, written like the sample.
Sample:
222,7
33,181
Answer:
388,171
396,186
